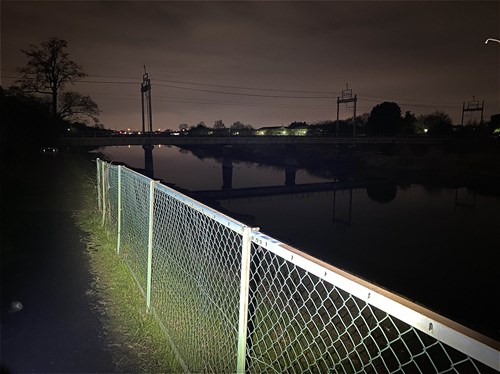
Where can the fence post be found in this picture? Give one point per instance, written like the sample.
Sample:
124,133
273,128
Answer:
244,282
152,184
119,218
98,163
103,192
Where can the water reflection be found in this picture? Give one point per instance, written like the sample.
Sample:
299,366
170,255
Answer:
382,192
149,168
429,238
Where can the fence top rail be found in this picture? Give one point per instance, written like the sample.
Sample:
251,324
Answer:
193,204
465,340
468,341
223,219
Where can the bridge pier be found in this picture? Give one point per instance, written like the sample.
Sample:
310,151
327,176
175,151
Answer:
291,165
148,160
227,167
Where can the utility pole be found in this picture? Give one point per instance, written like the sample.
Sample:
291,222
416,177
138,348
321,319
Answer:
473,106
347,98
147,114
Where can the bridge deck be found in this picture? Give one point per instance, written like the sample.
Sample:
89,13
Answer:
244,140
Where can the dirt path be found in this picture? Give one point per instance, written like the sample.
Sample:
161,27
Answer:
47,321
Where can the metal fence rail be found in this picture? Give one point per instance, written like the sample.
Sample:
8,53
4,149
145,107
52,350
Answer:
232,299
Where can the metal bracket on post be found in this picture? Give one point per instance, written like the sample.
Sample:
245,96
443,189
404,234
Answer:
244,291
119,218
152,184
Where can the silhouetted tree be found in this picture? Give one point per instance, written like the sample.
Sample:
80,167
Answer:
437,123
296,125
385,118
48,70
199,129
494,124
27,117
237,125
408,123
73,105
382,192
219,125
183,126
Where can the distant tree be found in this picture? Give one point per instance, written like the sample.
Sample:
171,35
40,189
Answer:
199,129
494,124
437,123
237,125
408,123
74,106
385,118
48,70
295,125
219,125
382,192
28,117
183,126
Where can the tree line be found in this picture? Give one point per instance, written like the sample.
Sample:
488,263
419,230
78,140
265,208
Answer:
42,85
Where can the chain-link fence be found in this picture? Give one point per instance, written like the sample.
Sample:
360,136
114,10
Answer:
229,298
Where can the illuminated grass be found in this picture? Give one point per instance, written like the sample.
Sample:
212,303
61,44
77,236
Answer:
136,341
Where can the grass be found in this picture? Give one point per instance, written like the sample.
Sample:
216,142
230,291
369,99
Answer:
135,339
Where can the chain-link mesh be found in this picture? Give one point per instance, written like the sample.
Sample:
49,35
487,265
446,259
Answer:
298,321
196,263
135,224
111,191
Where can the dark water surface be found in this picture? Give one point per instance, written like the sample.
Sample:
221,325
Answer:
436,245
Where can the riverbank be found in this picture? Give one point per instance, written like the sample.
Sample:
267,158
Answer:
136,341
61,308
48,324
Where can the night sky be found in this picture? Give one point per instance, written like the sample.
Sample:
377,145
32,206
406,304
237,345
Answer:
277,62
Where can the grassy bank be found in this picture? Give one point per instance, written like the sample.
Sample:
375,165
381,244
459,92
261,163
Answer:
134,337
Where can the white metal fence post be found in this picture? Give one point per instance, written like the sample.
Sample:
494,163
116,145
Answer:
152,184
98,163
103,191
244,282
119,213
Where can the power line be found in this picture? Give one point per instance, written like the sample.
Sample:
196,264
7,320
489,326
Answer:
223,86
174,99
364,98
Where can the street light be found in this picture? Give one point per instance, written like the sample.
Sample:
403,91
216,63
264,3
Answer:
491,40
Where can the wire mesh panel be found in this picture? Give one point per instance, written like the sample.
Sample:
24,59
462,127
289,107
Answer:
111,188
135,224
300,323
195,283
301,315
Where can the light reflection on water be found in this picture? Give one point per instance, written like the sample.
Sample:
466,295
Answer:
436,246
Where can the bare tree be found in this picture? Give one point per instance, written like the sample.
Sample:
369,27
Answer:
218,125
48,69
73,105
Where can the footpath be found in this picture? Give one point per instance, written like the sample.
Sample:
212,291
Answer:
48,324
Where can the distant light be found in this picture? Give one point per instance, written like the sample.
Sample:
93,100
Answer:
425,131
69,129
491,40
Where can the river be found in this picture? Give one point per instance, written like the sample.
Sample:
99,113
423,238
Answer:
436,243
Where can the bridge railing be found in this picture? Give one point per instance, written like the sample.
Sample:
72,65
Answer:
230,298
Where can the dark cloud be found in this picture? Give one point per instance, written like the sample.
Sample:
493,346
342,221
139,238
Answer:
425,55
